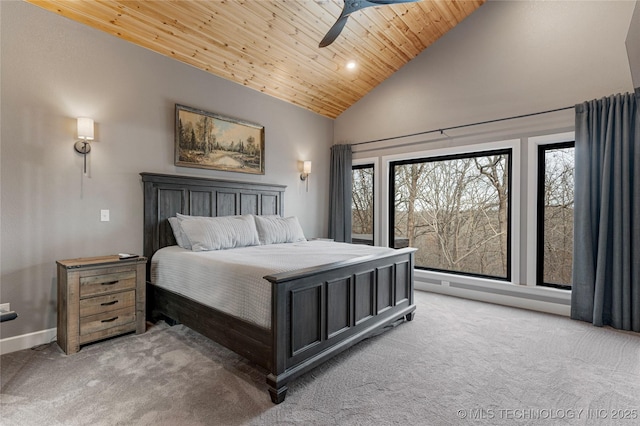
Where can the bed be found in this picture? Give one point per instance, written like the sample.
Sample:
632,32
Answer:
315,312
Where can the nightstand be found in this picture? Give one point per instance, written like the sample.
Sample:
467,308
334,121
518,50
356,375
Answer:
99,297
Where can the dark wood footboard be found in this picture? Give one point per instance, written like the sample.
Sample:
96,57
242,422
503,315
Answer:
319,312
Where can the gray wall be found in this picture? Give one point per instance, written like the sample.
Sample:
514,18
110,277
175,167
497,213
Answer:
633,46
54,70
507,58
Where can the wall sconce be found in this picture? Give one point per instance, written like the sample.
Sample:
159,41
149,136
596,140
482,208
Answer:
85,133
306,171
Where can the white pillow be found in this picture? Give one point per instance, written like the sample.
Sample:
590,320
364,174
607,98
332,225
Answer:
181,238
216,233
276,229
182,217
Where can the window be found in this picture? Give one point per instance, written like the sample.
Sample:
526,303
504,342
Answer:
456,210
555,214
362,204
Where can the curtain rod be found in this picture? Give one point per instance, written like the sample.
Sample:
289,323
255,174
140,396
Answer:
444,129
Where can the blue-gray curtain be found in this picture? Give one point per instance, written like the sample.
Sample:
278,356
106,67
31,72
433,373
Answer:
340,193
606,256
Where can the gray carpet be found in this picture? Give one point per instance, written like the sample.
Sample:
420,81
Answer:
458,362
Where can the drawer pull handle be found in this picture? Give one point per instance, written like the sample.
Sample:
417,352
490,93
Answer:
110,282
109,303
110,319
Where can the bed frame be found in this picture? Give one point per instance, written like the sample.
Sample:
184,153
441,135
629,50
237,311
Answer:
316,313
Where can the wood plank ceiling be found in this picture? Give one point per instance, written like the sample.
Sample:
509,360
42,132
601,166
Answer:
272,45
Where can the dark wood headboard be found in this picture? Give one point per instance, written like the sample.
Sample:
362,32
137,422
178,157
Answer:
166,195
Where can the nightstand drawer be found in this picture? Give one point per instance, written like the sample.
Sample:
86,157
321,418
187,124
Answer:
107,283
108,303
106,320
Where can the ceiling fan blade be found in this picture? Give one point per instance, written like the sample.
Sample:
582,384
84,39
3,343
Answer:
334,31
382,2
351,6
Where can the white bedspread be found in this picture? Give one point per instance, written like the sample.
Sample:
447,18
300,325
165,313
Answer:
232,280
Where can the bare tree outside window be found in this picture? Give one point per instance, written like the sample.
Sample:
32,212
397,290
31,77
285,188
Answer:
555,214
362,204
455,211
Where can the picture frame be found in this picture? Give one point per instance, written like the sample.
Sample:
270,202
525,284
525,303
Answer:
207,140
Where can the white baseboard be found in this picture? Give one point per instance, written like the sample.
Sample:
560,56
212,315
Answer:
514,300
26,341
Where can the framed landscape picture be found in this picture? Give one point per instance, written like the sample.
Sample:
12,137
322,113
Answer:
210,141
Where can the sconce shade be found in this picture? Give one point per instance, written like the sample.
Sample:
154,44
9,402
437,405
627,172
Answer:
85,128
306,170
85,133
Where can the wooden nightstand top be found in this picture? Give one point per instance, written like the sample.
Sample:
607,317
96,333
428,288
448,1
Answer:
100,260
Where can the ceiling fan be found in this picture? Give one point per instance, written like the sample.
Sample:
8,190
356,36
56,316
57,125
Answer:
351,6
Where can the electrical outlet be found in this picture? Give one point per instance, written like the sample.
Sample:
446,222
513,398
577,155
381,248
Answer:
5,307
104,215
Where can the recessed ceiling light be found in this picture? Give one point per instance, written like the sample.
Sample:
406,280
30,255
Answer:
351,65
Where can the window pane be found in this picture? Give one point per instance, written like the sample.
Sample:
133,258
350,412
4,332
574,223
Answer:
455,210
362,204
555,215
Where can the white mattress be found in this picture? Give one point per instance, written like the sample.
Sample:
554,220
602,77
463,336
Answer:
232,280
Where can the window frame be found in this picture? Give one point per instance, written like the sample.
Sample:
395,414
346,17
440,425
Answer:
355,165
532,205
378,213
540,214
471,151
